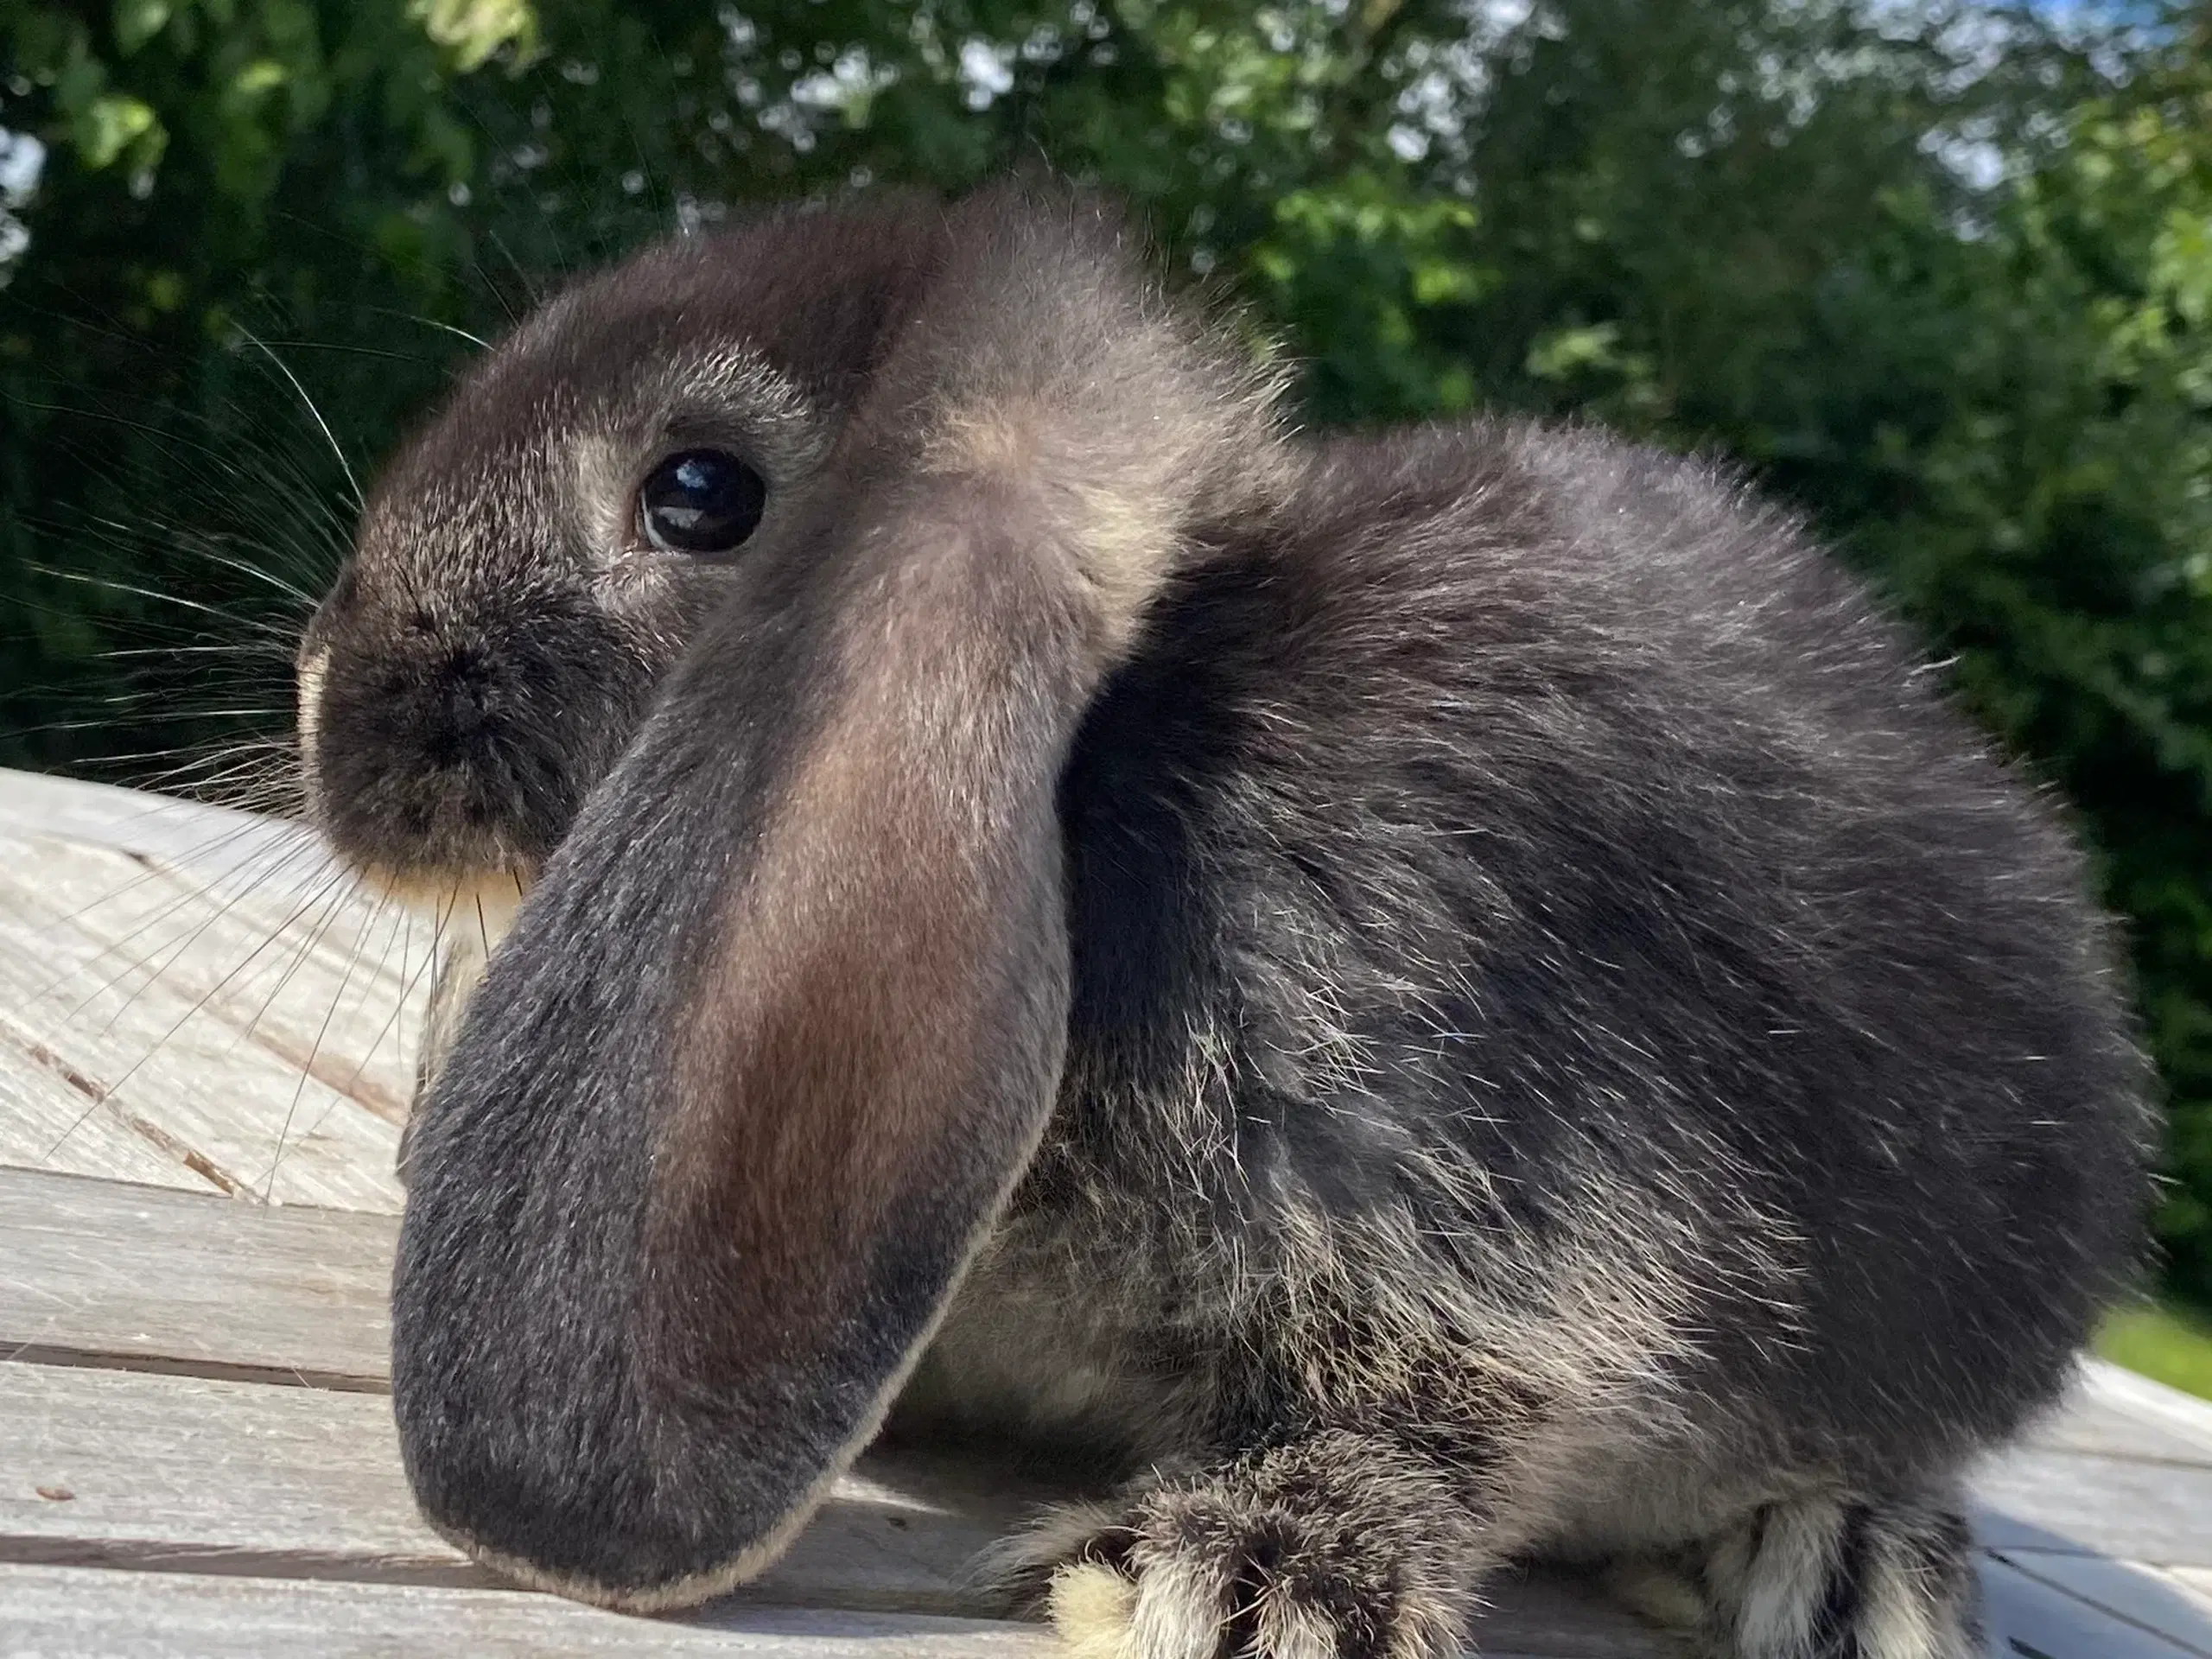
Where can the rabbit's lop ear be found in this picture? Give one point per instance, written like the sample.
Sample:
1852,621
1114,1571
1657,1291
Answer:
779,1029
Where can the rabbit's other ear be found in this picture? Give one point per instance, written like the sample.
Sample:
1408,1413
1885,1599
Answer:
779,1029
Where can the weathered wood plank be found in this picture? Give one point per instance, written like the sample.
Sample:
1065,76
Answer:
2030,1618
235,1477
44,1120
2107,1494
191,1475
119,1467
2074,1504
1537,1612
62,1612
2091,1426
2116,1413
185,990
2193,1582
224,1289
2149,1597
96,1272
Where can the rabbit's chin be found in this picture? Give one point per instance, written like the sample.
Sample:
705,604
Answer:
483,902
471,912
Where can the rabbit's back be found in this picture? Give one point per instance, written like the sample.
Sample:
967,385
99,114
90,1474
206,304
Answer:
1529,908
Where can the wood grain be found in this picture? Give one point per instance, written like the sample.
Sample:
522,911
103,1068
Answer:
2116,1413
2068,1503
100,1273
62,1612
2093,1426
236,1476
2150,1597
2031,1618
199,998
186,1474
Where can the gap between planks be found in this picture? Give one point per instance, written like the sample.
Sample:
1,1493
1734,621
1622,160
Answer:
242,1478
57,1611
149,1280
230,1479
211,1477
72,1613
100,1273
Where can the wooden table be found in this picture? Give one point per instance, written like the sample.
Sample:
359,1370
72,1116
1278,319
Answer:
205,1057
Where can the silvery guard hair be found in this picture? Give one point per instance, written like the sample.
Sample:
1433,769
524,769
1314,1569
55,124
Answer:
1423,998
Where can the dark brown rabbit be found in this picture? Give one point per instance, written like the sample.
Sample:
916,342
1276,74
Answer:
1433,997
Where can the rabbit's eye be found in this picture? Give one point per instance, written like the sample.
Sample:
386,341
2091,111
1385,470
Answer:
700,501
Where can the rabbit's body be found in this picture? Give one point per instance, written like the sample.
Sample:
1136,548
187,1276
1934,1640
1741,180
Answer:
1432,997
1548,970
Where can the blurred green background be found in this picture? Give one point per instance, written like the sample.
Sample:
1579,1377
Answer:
1940,274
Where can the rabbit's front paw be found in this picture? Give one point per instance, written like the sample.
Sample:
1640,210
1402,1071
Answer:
1252,1562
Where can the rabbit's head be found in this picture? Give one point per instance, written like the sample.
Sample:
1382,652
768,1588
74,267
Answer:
750,597
532,563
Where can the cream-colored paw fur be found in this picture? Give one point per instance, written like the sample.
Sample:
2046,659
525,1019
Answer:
1093,1607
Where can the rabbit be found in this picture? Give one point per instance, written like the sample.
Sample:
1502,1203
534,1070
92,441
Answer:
1421,999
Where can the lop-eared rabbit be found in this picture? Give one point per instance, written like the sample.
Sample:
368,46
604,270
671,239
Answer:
1428,998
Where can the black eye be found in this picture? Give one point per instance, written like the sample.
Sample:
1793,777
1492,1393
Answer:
700,501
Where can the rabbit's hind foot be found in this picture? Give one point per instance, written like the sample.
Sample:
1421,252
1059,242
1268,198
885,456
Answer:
1822,1578
1340,1547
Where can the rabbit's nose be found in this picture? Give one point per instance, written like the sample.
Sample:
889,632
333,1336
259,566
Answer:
463,693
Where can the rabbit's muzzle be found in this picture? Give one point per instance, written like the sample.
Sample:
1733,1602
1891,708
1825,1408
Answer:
437,749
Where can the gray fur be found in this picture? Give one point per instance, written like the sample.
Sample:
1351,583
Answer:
1571,1045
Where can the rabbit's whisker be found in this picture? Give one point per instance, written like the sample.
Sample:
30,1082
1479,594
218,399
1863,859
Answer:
403,934
284,368
314,1050
179,949
185,897
137,591
111,1090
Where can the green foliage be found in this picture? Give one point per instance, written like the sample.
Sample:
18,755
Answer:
2172,1346
2055,527
1941,278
